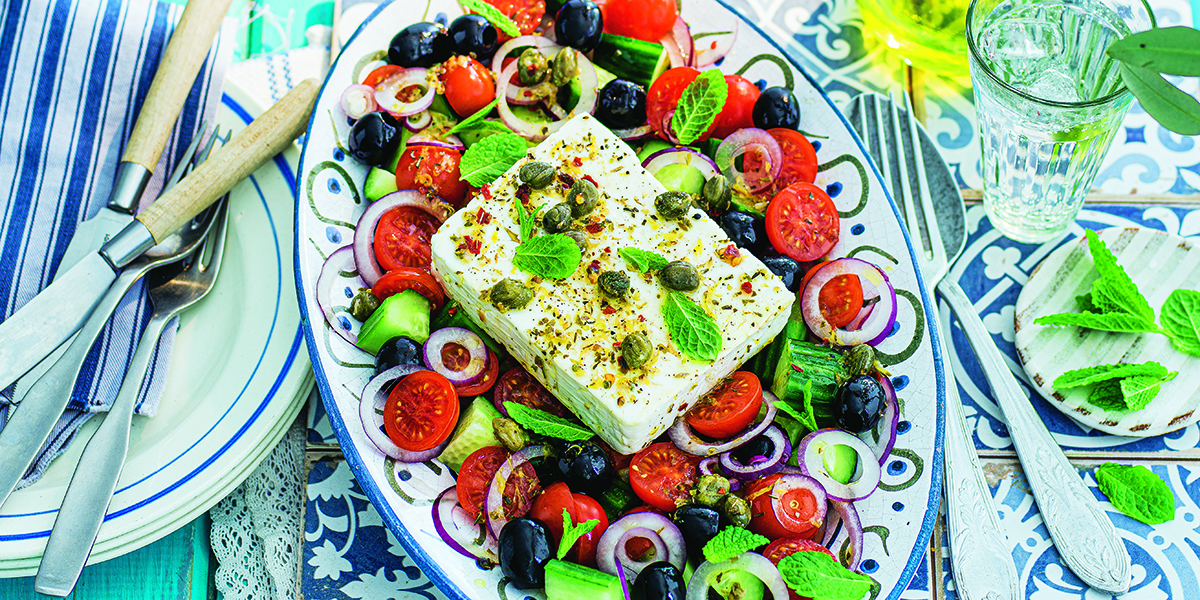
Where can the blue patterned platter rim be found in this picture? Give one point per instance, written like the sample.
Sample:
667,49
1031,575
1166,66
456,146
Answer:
898,518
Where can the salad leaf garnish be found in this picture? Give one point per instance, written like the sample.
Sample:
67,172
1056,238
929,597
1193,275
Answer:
526,219
476,121
692,329
554,256
1137,492
572,533
642,260
817,575
1128,393
493,14
730,543
489,158
803,415
700,104
1181,320
1090,375
544,423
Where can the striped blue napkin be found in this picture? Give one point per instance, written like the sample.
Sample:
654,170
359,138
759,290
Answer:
73,74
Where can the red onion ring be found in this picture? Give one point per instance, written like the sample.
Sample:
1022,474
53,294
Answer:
664,125
876,326
810,455
750,562
845,513
341,261
539,131
781,450
370,410
418,121
364,231
681,156
707,54
624,580
882,437
358,100
459,530
536,41
453,142
387,91
610,548
678,44
739,143
685,439
494,505
477,352
635,133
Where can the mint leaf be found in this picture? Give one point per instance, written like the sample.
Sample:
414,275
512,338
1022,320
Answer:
1114,285
1170,50
544,423
548,256
526,220
642,260
696,333
1119,322
1139,391
1090,375
572,533
700,104
493,14
476,121
1137,492
489,158
1133,392
818,575
730,543
1107,395
1181,319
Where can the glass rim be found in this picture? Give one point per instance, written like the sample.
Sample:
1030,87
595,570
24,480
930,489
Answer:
975,54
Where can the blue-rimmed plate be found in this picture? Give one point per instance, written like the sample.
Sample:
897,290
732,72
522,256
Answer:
898,517
239,376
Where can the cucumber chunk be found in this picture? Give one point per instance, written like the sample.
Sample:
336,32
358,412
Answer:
403,315
803,362
684,178
569,581
379,183
474,432
629,58
841,462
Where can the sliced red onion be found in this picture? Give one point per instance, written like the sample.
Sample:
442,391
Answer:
370,410
681,156
845,514
857,322
364,231
685,439
635,133
746,140
358,100
341,261
681,34
459,530
387,91
876,326
811,456
674,52
494,505
536,41
458,354
751,562
624,580
664,125
709,51
761,466
659,530
452,142
418,121
707,464
539,131
882,437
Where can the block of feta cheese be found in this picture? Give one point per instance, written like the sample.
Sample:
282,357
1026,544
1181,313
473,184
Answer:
568,336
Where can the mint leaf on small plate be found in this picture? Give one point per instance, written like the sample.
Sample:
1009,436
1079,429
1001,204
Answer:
1137,492
1090,375
1140,390
1181,319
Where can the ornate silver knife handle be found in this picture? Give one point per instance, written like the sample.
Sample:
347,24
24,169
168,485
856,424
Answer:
1086,539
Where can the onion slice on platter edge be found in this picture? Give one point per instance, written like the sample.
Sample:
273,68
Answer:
875,328
340,261
364,230
374,396
447,512
810,455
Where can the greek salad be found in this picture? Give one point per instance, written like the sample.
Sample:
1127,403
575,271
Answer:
497,125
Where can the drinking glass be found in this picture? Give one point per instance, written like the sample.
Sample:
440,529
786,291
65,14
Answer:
1048,101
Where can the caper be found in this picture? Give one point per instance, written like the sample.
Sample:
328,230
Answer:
717,193
510,434
860,360
532,67
710,489
636,350
673,204
363,305
614,283
736,509
583,198
510,294
565,67
580,239
558,218
680,275
537,175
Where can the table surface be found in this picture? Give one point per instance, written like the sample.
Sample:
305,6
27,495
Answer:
1151,178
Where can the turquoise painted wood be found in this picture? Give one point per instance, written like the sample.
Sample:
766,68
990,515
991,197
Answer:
176,567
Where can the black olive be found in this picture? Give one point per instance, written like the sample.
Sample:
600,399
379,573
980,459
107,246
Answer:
745,230
585,467
860,402
375,138
658,581
579,25
473,34
525,548
698,524
787,269
776,107
759,446
420,45
395,352
621,104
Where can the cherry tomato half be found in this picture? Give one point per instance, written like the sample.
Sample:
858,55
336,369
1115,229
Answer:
663,98
517,385
802,222
796,520
841,299
402,238
799,159
475,476
739,105
380,74
648,20
491,373
662,474
527,14
432,170
421,411
728,408
410,278
784,547
548,508
469,85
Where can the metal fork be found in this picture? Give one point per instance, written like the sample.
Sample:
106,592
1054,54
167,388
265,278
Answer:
173,288
1086,539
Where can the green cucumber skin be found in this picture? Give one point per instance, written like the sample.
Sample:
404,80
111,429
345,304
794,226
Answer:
569,581
823,366
403,315
380,183
628,58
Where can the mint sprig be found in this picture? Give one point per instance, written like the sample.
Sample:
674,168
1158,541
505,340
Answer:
493,14
476,121
693,330
1137,492
699,106
642,260
1090,375
554,256
526,219
488,159
804,414
572,533
730,543
544,423
1181,319
818,575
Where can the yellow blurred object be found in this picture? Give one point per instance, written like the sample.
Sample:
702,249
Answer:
927,34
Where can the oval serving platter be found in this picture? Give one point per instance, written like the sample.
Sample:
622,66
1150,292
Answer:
329,201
